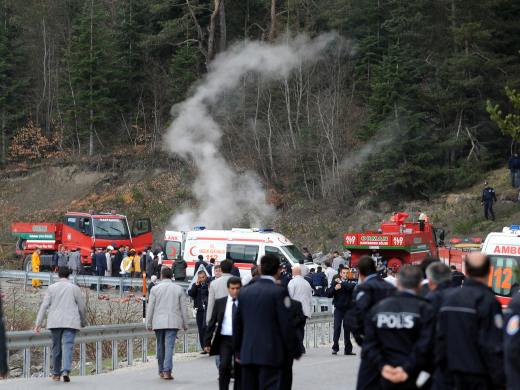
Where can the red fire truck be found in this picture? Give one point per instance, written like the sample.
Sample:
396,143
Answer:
82,231
399,241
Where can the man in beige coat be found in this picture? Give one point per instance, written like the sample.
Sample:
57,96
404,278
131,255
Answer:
66,307
218,287
166,314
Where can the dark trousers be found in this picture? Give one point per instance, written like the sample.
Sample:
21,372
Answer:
226,363
256,377
340,319
181,279
287,375
488,210
368,376
471,382
300,335
201,325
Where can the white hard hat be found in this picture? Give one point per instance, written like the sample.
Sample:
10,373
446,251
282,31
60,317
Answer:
110,248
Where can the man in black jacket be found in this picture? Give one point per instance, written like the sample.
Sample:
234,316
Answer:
512,343
222,325
399,332
371,290
263,338
116,263
199,292
469,331
488,198
341,291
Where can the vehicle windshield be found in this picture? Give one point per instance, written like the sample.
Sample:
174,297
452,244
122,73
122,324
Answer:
294,254
503,278
111,228
172,249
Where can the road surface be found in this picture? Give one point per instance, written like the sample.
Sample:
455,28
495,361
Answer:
316,370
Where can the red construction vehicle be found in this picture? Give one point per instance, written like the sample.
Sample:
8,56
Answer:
84,231
399,242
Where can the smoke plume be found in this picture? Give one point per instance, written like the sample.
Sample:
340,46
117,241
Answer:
224,196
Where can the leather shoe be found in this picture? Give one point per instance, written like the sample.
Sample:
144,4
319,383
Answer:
167,376
55,378
334,352
350,353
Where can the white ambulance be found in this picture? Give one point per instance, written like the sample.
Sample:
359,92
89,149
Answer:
504,251
244,246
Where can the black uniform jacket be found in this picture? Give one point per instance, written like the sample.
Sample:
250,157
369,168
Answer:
366,295
512,343
399,332
469,333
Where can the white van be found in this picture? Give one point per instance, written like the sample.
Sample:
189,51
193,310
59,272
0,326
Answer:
244,246
504,251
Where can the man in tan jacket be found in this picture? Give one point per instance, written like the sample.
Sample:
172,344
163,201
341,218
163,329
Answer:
66,307
166,314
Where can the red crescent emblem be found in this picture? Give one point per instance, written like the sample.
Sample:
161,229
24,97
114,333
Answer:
191,250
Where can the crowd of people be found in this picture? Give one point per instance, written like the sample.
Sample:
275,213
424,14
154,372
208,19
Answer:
424,326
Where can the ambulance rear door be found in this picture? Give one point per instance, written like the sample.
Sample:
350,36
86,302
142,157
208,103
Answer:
172,247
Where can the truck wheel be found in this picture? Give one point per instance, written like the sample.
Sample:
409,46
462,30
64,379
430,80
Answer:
27,264
20,244
395,263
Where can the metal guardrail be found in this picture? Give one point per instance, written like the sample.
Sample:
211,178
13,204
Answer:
318,331
319,304
80,280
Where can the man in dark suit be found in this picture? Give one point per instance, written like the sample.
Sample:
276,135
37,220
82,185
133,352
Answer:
221,324
263,342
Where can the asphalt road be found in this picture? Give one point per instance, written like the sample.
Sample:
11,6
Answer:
318,369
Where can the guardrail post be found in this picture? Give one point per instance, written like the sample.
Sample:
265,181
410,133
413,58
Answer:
306,336
26,369
25,281
144,357
114,354
121,287
130,352
315,337
98,285
99,357
82,358
46,361
185,343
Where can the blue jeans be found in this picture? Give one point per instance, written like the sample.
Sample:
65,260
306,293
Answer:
67,336
165,348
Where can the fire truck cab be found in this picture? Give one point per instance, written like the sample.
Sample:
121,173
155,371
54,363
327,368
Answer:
504,250
397,242
244,246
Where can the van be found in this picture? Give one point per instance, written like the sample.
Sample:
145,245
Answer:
244,246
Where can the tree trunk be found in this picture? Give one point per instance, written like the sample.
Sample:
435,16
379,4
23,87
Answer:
212,26
272,28
91,89
222,25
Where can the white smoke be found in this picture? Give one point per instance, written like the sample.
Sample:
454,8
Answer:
224,196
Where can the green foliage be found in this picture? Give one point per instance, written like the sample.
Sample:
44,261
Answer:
509,123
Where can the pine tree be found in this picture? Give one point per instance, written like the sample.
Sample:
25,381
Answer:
12,82
94,74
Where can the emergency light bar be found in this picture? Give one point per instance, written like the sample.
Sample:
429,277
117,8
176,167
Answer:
199,228
515,227
263,230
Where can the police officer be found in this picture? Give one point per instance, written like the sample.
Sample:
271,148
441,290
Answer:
371,289
199,292
341,291
512,343
399,333
488,197
440,285
468,342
